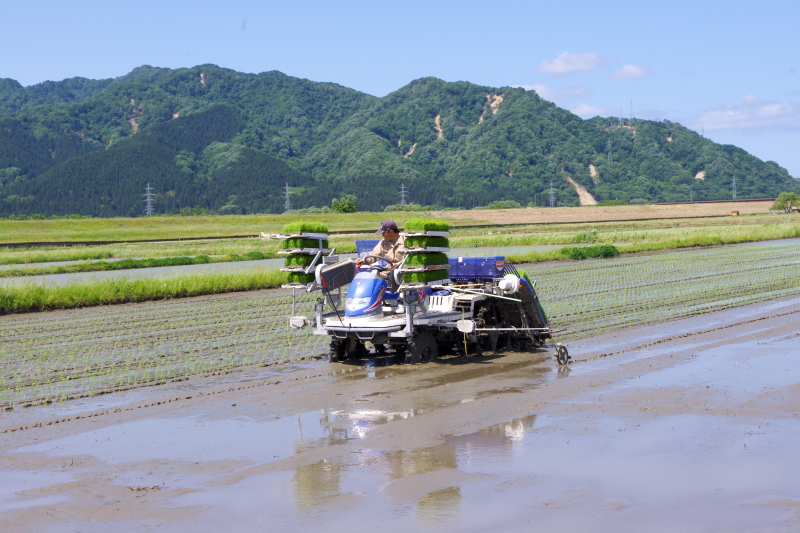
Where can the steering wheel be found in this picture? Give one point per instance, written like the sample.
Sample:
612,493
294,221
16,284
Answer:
376,266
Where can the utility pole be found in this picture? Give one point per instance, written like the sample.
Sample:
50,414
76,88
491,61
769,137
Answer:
609,151
552,196
403,200
734,186
149,210
287,206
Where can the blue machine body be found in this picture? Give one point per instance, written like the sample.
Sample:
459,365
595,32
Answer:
365,295
476,268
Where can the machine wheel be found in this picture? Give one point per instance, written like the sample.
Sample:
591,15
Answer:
355,349
337,351
562,355
400,350
380,349
422,348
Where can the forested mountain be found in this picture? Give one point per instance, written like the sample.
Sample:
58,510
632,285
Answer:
229,141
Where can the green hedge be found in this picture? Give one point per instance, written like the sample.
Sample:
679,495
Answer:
588,252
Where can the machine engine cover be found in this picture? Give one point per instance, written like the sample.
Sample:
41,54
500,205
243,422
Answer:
365,295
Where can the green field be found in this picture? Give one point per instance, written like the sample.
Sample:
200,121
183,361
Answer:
69,354
179,227
628,237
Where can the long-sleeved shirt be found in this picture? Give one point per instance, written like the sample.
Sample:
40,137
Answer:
391,251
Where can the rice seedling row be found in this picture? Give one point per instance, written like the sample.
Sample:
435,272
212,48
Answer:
607,295
67,354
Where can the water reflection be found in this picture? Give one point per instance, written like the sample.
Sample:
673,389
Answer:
438,506
434,501
495,443
317,483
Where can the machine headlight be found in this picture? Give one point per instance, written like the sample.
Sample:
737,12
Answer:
356,304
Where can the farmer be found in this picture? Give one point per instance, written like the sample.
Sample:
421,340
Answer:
390,247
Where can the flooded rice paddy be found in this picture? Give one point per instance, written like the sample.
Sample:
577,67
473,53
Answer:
687,427
55,356
679,413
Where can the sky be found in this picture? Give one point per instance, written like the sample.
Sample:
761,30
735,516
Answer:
729,70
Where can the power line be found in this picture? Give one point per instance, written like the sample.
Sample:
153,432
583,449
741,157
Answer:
552,196
734,186
610,160
149,210
403,200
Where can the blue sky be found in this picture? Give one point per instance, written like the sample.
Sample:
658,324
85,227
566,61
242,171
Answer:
730,69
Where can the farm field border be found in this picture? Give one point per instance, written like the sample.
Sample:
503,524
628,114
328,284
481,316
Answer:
70,354
649,235
41,296
231,226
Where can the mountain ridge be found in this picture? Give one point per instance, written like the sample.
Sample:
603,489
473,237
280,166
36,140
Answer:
454,144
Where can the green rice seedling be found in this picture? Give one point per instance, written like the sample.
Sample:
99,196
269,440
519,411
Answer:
305,227
426,224
424,277
301,260
436,258
438,242
298,277
299,242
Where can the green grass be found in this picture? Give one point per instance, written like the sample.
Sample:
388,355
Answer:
157,228
8,256
674,239
590,252
130,264
426,224
44,297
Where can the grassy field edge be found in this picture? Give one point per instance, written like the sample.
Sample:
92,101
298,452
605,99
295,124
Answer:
32,297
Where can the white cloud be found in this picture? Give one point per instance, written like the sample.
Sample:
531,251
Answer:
567,63
560,94
628,72
588,111
752,113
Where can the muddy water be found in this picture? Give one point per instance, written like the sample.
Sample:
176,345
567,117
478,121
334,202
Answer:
688,426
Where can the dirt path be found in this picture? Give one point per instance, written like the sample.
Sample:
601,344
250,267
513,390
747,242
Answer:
691,425
437,125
